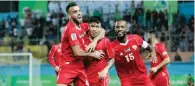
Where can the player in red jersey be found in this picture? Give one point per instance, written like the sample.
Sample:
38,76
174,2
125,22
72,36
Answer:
54,56
94,66
71,63
158,70
127,58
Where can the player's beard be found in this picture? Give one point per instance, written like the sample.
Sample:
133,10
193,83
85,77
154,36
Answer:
122,38
76,21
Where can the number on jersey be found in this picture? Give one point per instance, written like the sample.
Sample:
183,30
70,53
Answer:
129,57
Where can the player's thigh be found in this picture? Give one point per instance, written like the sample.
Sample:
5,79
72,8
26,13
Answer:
148,82
125,81
82,79
66,76
161,81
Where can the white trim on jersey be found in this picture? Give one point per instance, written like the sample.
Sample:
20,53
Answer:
145,44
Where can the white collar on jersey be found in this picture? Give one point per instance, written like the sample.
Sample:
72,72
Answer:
78,28
124,43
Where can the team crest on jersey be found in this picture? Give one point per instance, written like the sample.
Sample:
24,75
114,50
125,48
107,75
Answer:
73,36
127,50
121,54
134,47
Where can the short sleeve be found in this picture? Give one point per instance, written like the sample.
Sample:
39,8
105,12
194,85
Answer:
73,36
162,51
141,42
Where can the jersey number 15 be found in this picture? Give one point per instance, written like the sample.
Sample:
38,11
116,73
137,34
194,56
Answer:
129,57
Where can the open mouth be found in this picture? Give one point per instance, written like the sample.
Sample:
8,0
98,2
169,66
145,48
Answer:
79,17
120,33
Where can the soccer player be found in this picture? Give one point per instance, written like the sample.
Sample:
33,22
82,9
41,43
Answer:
129,64
158,70
71,63
94,66
54,56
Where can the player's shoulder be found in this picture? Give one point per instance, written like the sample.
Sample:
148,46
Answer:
84,24
54,46
70,25
105,39
160,46
115,42
132,36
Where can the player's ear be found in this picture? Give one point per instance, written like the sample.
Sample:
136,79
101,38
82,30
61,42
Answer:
127,29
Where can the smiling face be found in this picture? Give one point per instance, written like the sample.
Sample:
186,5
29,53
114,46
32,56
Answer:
94,29
121,28
152,37
75,14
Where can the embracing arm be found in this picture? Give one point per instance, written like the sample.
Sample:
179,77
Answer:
93,44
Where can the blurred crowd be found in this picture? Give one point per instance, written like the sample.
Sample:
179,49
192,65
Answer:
36,28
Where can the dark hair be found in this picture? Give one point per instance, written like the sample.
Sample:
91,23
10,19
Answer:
153,32
94,19
71,4
121,20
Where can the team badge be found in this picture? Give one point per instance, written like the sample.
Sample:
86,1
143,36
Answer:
134,47
127,50
73,36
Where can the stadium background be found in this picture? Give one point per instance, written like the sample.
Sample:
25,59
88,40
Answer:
34,26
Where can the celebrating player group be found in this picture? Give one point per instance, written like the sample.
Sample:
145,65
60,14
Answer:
85,55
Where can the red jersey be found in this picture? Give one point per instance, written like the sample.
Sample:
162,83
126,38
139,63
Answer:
161,54
72,36
131,49
93,66
54,55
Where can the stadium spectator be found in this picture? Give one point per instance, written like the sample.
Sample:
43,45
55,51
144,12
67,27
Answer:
148,19
177,57
166,15
191,23
182,38
54,7
190,39
19,46
182,20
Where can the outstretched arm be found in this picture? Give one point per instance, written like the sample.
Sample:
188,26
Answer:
80,52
